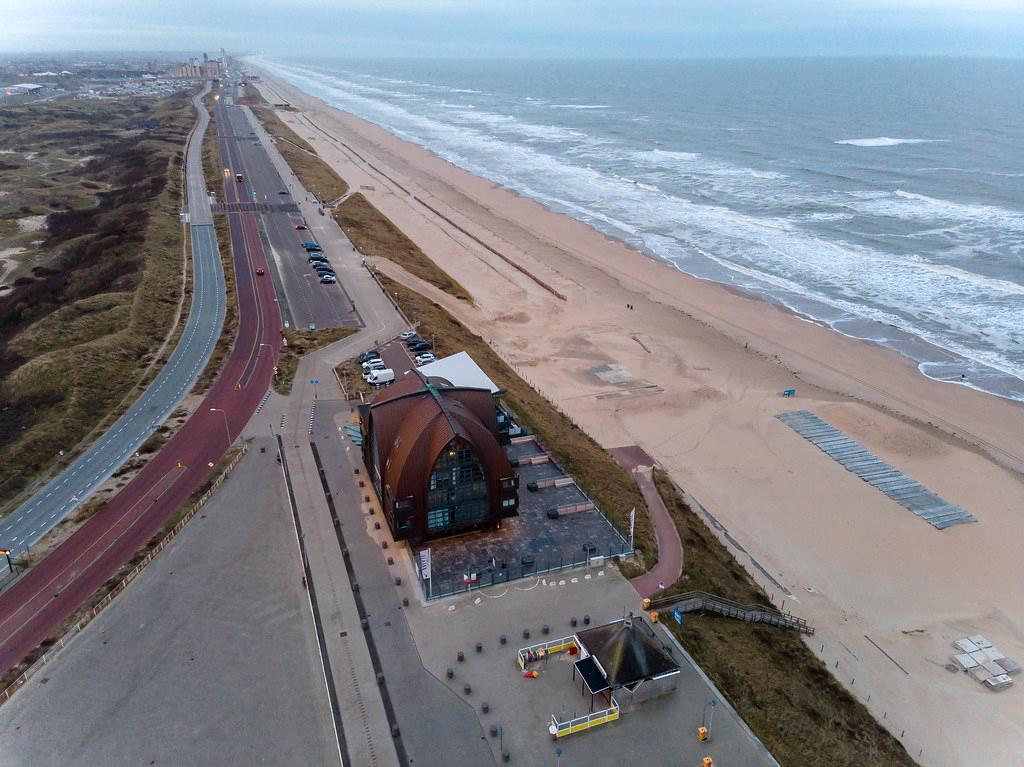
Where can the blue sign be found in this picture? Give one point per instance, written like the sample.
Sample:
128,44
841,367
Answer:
678,615
314,381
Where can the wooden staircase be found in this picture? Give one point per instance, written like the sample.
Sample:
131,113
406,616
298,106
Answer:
701,601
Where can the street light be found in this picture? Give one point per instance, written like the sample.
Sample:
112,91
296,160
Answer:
227,431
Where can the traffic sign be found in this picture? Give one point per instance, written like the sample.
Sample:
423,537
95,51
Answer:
314,381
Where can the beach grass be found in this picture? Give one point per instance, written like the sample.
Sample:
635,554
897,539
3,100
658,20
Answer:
350,375
607,483
785,694
375,235
85,319
316,175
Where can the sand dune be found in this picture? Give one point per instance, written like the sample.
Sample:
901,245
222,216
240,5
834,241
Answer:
701,370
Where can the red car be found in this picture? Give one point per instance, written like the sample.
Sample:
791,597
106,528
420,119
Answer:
260,270
300,227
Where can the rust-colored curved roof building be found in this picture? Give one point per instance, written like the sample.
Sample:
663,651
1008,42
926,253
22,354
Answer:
434,458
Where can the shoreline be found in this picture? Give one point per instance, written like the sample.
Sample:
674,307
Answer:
701,369
935,361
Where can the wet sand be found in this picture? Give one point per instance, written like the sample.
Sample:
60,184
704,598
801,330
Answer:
700,371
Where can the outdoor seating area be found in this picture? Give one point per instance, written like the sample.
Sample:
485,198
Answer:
557,527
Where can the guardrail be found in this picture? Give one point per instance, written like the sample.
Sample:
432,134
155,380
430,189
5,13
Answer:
47,656
581,723
536,652
694,601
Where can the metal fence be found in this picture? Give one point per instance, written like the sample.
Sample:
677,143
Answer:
52,651
526,566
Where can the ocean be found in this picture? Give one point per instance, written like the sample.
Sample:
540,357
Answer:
882,197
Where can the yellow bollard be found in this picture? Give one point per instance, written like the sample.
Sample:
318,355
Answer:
702,733
647,603
708,761
654,616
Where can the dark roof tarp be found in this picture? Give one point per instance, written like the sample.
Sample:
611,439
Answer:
591,675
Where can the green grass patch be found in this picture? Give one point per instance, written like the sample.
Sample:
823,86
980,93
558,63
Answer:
374,235
611,487
787,695
316,175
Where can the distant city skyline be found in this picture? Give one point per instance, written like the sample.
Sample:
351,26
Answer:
525,28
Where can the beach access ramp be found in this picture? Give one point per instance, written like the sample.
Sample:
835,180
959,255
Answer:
905,491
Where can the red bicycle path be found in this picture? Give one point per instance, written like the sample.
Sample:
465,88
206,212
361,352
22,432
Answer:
34,607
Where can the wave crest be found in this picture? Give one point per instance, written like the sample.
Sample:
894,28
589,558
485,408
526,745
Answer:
886,141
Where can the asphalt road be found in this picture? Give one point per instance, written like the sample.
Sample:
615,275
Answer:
36,604
210,658
305,300
63,494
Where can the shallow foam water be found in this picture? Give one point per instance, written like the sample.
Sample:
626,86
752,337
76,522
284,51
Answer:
883,198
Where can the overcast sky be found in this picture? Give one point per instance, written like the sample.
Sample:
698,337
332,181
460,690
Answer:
509,28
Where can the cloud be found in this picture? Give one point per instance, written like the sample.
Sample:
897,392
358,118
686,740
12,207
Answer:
571,28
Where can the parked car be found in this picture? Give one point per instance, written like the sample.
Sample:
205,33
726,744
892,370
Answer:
311,246
381,377
283,191
374,364
372,354
424,358
317,257
421,346
328,279
405,335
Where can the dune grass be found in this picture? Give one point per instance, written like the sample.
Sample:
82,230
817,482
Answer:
785,693
374,235
80,329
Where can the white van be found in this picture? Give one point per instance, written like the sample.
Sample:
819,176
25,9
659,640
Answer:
381,377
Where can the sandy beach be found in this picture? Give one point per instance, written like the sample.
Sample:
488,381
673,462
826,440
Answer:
693,373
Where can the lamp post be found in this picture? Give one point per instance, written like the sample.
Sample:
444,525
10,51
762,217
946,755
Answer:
227,431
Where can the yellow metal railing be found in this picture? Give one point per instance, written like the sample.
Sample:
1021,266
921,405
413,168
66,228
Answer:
538,651
581,723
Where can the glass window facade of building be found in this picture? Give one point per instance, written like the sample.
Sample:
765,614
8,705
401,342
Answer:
457,493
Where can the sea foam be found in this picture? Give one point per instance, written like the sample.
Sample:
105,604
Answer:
886,141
